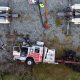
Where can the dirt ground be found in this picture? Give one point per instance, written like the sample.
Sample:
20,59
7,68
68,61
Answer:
29,23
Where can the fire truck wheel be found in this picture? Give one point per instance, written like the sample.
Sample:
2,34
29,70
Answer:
29,62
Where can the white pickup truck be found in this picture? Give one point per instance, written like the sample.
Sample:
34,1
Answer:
32,1
4,15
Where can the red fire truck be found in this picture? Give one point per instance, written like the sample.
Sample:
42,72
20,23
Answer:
34,54
38,53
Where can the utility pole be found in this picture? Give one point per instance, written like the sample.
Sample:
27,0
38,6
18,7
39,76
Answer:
46,24
41,5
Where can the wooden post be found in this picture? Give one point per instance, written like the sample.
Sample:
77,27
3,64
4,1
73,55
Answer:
46,25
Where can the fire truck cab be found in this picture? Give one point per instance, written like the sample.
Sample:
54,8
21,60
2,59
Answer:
34,54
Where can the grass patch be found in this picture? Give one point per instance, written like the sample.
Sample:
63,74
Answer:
78,49
58,22
54,72
10,77
46,72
